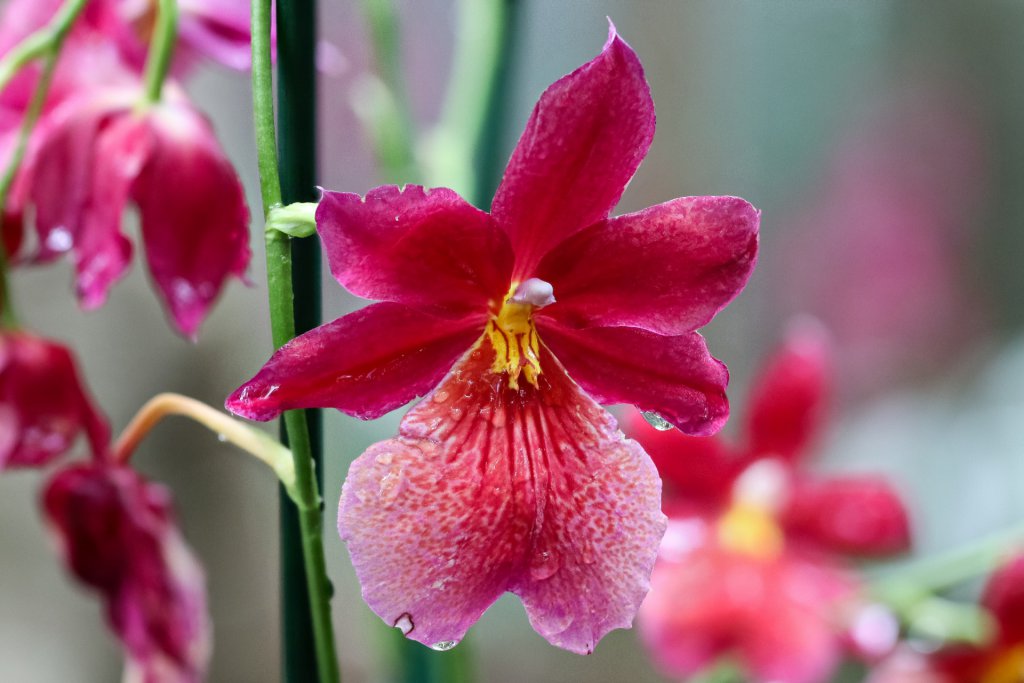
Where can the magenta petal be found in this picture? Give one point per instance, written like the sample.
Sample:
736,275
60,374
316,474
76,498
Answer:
424,248
1004,596
487,489
43,404
855,515
219,29
195,222
668,269
674,377
117,535
366,363
584,141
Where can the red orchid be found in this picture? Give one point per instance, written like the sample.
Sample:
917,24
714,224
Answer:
509,476
116,532
100,151
43,404
752,559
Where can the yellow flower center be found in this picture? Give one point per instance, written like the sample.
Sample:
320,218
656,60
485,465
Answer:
513,334
749,526
1007,667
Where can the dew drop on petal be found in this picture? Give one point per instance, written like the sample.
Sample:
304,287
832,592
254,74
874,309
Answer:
59,239
441,396
444,645
222,437
404,624
390,486
657,421
543,566
384,458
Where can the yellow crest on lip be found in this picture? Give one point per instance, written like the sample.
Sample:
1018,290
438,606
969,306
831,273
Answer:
515,341
1008,667
750,530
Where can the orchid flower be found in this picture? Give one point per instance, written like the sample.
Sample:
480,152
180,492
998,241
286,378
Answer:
508,476
116,533
753,560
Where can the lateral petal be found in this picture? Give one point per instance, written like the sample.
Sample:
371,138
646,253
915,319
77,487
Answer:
424,248
487,489
366,363
583,142
674,377
668,269
1004,596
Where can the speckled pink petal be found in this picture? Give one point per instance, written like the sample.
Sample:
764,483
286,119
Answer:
366,363
423,248
116,533
195,222
787,400
668,269
584,141
674,377
486,489
854,515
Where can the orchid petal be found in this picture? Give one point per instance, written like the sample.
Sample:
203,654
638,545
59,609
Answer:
487,489
423,248
674,377
668,269
852,515
117,534
788,398
43,404
584,141
1004,596
195,222
365,364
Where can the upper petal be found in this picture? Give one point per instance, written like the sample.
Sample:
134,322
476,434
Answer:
116,533
43,403
424,248
365,364
674,377
488,489
668,269
584,141
788,397
195,222
855,515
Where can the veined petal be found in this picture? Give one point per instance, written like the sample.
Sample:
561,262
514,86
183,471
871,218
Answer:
195,222
365,364
668,269
674,377
788,398
117,535
854,515
487,489
584,141
1004,596
424,248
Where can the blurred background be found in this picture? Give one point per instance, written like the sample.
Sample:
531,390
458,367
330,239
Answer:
884,143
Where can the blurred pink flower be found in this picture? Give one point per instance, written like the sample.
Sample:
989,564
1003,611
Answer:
43,404
117,535
751,561
100,151
508,477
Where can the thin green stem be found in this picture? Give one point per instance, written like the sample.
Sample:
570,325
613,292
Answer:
282,320
161,49
45,43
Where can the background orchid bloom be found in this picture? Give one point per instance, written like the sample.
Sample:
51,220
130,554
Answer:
508,477
100,152
43,403
116,533
752,561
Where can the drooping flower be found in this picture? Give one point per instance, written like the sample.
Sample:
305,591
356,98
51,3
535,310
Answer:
43,404
752,562
509,476
99,152
116,533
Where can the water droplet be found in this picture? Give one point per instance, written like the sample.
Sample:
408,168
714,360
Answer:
441,396
404,623
59,239
222,437
384,458
390,486
657,421
457,414
270,390
543,566
444,645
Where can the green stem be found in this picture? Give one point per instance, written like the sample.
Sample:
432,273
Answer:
282,320
945,570
161,49
45,43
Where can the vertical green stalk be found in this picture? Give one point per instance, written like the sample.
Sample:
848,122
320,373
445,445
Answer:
296,106
282,320
161,49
